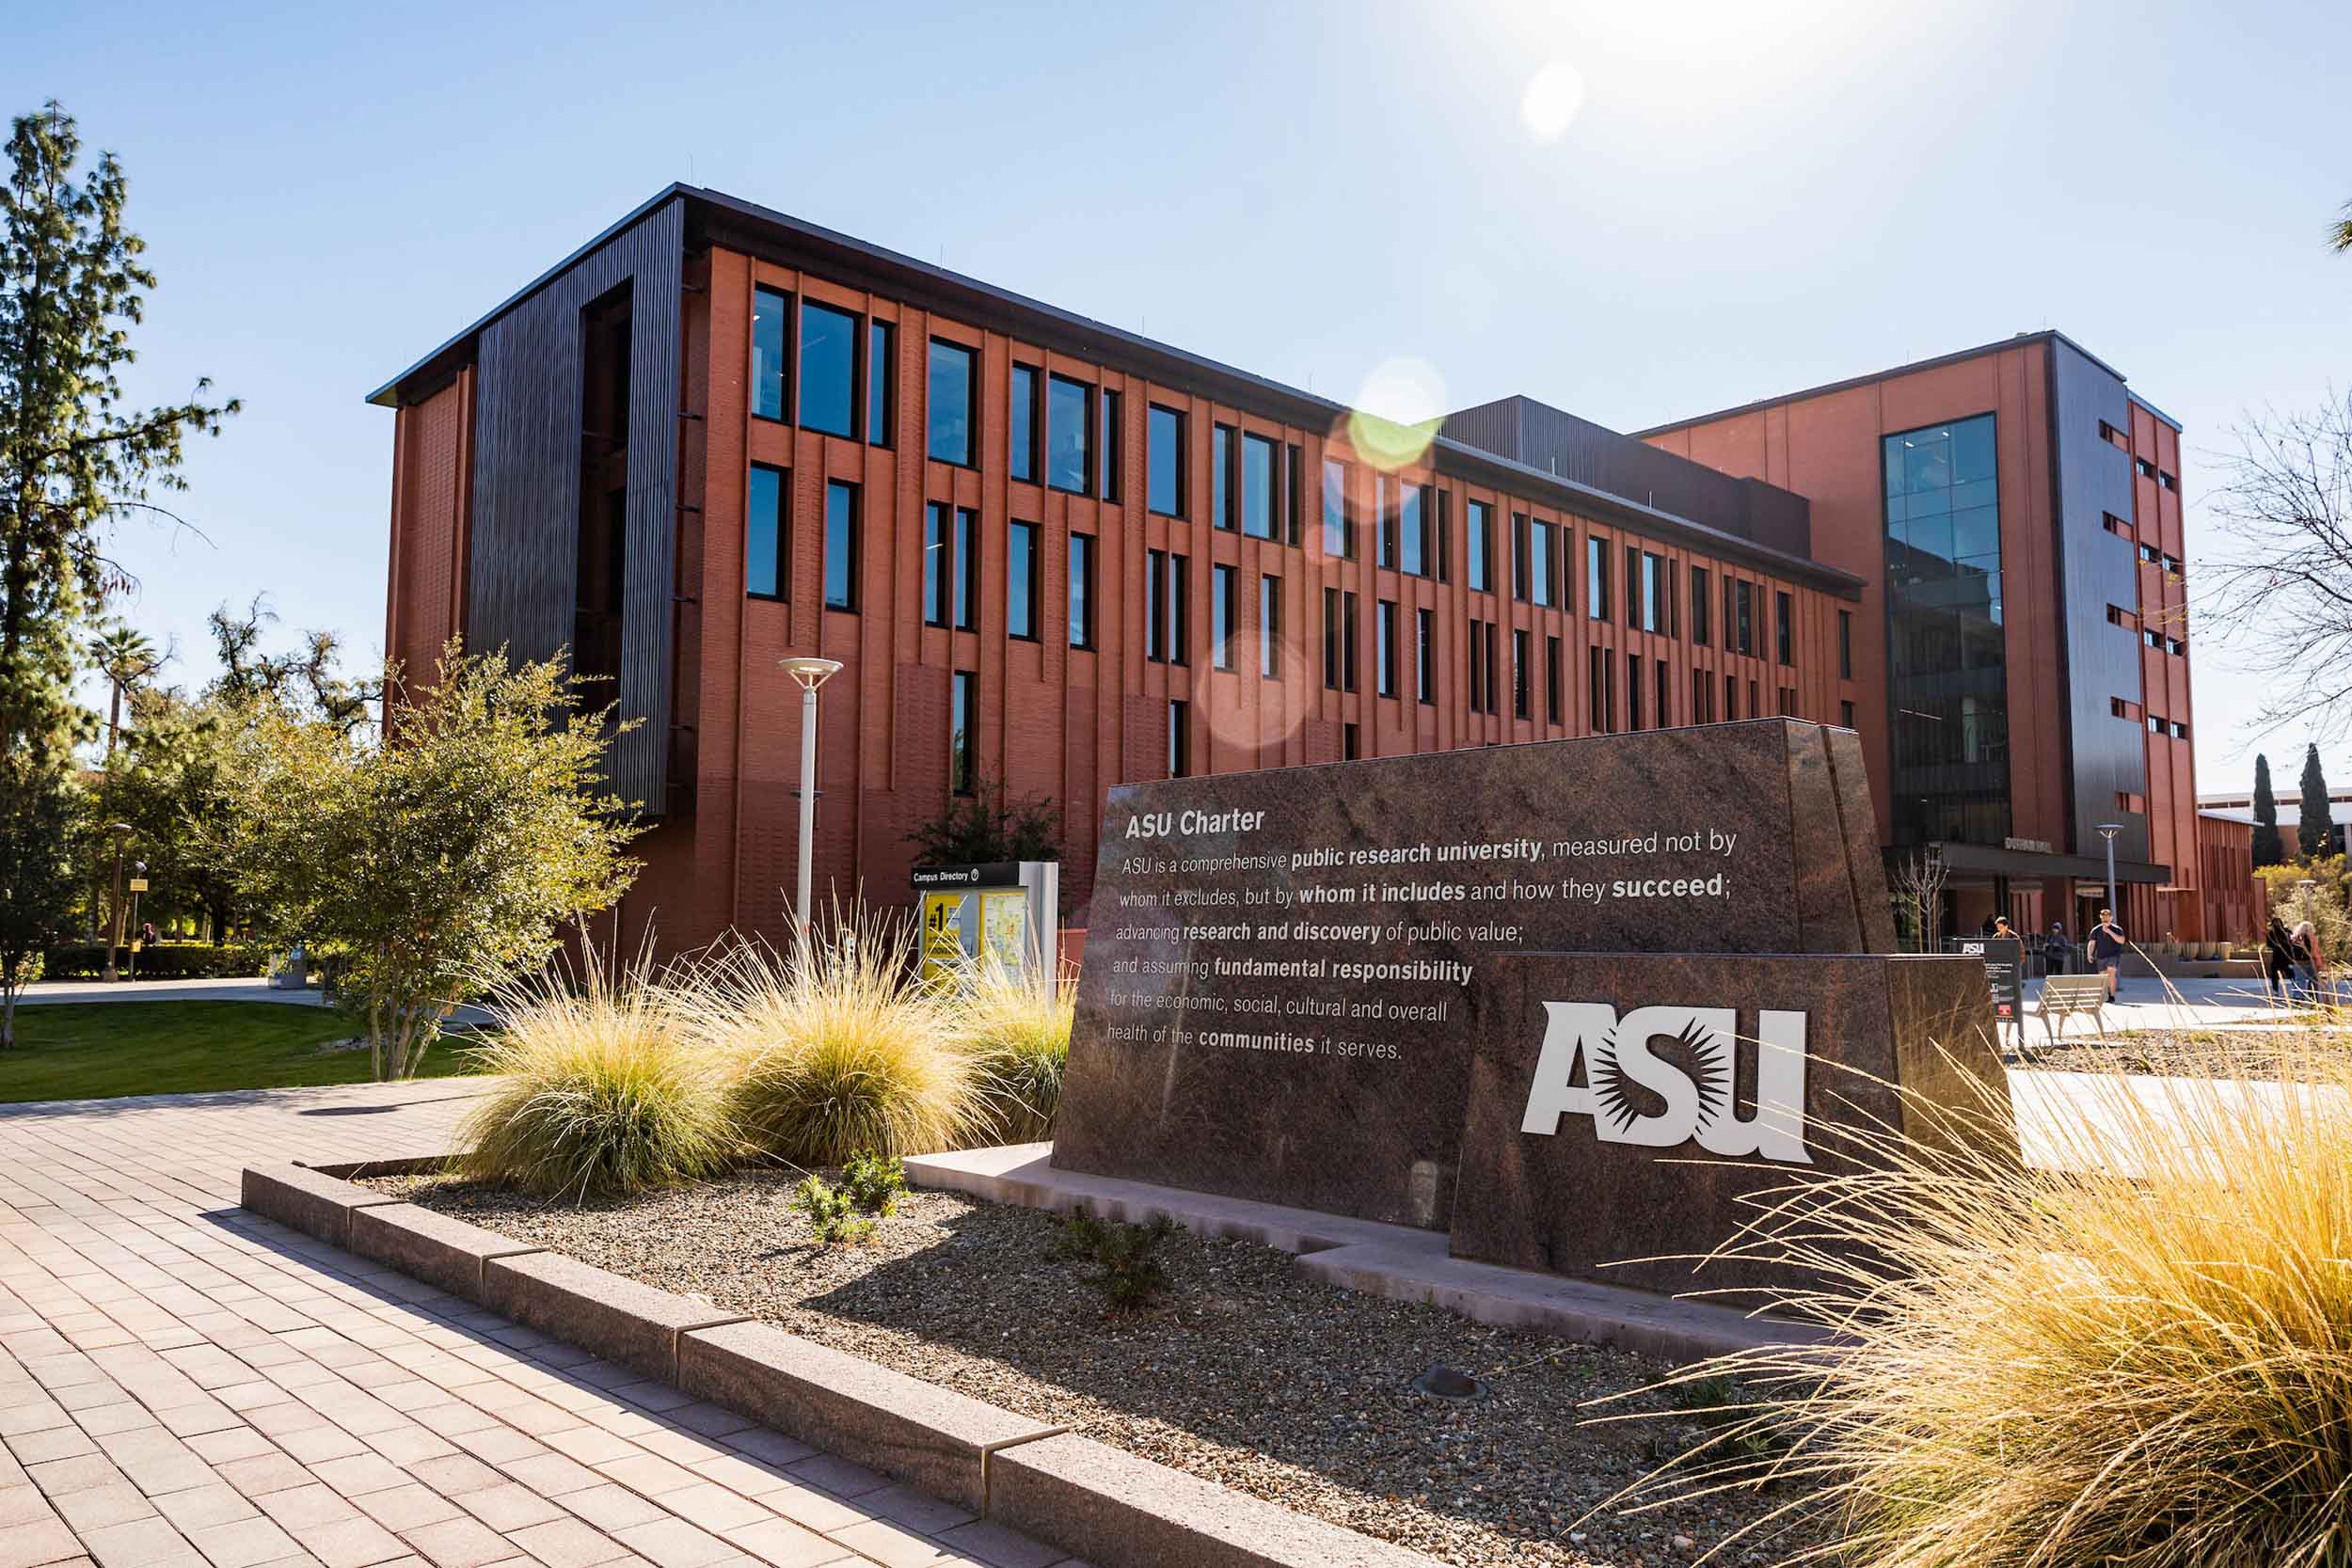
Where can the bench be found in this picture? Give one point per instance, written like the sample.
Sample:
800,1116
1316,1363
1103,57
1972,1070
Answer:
2065,995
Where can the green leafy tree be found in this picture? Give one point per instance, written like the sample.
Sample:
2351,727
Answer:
40,821
2269,849
984,825
71,457
169,782
435,860
2314,835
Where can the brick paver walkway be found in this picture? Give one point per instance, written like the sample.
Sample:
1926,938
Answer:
183,1383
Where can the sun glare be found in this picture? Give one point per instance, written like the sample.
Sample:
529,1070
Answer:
1554,95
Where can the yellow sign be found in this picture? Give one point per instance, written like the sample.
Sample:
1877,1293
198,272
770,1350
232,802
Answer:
138,884
943,934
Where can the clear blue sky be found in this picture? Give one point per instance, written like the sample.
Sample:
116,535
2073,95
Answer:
1750,198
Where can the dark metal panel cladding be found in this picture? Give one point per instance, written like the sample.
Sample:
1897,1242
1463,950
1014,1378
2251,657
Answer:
521,580
2109,755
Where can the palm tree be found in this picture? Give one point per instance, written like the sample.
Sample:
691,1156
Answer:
125,657
2340,234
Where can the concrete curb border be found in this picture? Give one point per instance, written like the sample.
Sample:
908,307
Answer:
1110,1507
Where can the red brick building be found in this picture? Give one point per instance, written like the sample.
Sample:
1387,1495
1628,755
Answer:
1056,556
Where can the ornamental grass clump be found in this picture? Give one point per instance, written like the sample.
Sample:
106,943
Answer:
1018,1031
2133,1350
600,1092
833,1049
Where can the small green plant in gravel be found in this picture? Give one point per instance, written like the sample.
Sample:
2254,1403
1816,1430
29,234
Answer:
1128,1270
874,1182
831,1212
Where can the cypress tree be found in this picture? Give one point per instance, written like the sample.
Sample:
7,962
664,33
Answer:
2314,835
2268,849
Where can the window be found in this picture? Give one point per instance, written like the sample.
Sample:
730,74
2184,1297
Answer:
1021,584
1520,676
2147,469
1597,578
1155,605
1783,627
2174,645
1492,678
1551,680
2180,731
1702,697
1023,435
1384,629
768,367
1477,661
1383,523
952,565
764,534
1743,617
1731,697
1180,609
1068,434
1164,460
1179,740
1845,715
952,396
1082,590
963,702
967,569
1350,746
1633,691
1348,641
938,562
1788,701
1518,557
1755,707
2151,555
1330,639
1478,550
2155,726
1339,531
1845,645
1412,522
1633,589
1257,487
1293,500
1222,614
827,369
1666,715
1441,534
1269,626
2153,638
1701,607
882,362
1653,592
840,545
2119,708
1112,446
2167,479
1541,572
1221,476
1425,656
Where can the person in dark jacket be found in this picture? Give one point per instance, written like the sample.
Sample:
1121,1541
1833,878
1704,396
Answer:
2108,943
2059,948
2278,960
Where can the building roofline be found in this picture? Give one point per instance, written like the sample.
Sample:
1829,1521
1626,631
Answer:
714,215
2047,335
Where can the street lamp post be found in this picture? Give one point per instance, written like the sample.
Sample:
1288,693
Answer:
138,877
122,831
2107,830
810,674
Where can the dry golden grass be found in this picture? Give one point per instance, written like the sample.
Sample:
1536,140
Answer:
2142,1358
1018,1032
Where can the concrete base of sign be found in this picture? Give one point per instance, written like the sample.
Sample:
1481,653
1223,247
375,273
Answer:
1395,1260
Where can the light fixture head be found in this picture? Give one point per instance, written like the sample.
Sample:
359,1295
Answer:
810,672
2109,830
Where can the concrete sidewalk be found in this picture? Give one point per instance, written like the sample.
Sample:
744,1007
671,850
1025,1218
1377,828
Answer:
234,988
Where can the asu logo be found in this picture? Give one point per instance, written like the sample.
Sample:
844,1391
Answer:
1617,1061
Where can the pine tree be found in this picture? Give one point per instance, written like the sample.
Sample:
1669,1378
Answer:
2269,849
72,460
2314,835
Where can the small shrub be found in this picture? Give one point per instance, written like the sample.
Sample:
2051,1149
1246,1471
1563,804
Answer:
835,1049
831,1213
1128,1270
874,1182
1017,1032
162,960
600,1093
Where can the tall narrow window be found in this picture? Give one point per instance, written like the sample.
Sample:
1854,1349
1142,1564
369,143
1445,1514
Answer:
952,396
1221,476
1845,714
1551,680
1351,744
1441,508
1701,691
1784,627
1179,740
1330,639
1597,578
1294,491
840,545
1632,592
1155,605
1595,658
1023,421
1068,434
1350,638
1518,557
1020,585
1744,619
1180,609
1339,536
1257,487
1082,590
1653,592
1164,460
1477,666
1269,625
1222,616
1425,656
1731,697
1491,677
769,310
881,379
938,562
1520,675
1384,656
1113,445
764,534
1664,717
1633,691
967,569
1540,570
1412,531
827,369
1701,607
1383,525
1845,645
963,732
1478,547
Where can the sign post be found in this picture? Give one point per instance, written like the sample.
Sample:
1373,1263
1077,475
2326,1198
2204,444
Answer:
2003,972
1004,911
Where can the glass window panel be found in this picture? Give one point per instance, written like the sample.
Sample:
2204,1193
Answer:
1979,493
1540,571
1972,449
881,367
768,322
950,402
1021,581
1069,429
1164,460
827,369
1220,477
840,545
1081,591
967,567
763,534
1023,413
936,564
1335,539
1977,533
1408,528
1257,486
1926,464
1480,560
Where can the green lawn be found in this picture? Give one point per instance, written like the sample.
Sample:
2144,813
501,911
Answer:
98,1050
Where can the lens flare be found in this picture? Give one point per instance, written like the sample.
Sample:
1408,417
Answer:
1553,96
1397,413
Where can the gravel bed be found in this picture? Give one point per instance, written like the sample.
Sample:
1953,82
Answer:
1248,1373
2233,1052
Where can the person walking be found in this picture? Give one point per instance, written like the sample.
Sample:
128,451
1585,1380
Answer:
2108,943
2278,960
2303,948
2057,948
